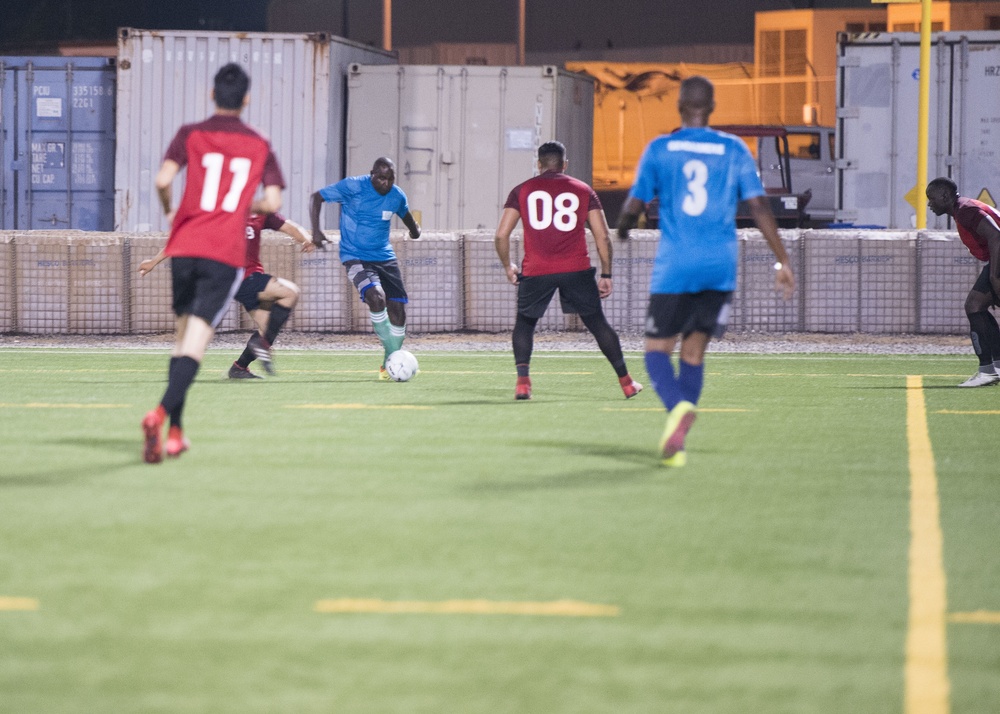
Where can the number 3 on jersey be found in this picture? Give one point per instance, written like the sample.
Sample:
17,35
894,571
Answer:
239,167
696,199
541,215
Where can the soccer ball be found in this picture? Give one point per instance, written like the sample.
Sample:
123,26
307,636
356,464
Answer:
401,365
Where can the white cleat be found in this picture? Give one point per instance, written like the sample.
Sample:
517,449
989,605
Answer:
981,379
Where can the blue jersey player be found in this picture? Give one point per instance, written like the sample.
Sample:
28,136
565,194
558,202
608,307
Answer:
368,204
699,176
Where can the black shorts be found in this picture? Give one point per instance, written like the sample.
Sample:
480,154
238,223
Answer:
364,274
203,287
672,314
983,285
577,293
251,286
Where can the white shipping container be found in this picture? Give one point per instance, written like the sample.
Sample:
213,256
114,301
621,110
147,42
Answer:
462,137
297,95
878,88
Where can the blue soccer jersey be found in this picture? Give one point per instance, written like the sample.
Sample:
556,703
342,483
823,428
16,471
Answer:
699,175
365,217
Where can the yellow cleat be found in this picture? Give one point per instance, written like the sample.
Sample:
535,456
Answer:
383,375
676,461
679,421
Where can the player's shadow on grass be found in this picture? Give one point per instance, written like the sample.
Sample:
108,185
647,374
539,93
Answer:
631,465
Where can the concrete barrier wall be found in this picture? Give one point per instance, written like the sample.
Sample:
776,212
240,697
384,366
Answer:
71,282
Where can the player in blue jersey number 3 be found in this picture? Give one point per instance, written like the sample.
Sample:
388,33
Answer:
699,176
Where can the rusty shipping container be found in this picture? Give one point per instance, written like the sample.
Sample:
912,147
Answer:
297,99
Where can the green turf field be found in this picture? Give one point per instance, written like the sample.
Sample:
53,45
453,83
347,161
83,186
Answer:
769,575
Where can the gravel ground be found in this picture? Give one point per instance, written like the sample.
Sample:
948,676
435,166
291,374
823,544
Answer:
751,343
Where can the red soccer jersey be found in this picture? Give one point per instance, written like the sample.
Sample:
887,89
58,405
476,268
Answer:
968,214
257,223
554,210
226,160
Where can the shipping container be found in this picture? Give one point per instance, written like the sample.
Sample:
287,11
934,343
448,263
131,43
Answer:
57,142
462,137
297,99
878,90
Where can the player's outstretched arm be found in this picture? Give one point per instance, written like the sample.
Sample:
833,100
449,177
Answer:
315,206
501,241
629,217
150,263
164,178
298,234
760,209
410,222
599,227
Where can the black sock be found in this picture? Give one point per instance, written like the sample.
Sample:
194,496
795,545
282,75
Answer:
182,373
279,315
175,415
607,340
985,338
248,355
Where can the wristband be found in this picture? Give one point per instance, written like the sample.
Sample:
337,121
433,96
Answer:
778,266
606,275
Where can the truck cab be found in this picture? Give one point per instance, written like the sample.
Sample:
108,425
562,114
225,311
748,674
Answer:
811,151
771,147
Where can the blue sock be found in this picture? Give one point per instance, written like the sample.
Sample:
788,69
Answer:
689,380
661,372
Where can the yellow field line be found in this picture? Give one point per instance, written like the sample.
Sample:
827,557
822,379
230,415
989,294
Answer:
976,617
557,608
956,411
356,406
43,405
926,673
10,604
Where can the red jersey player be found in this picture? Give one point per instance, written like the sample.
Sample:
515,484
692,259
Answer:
979,228
555,208
268,299
226,161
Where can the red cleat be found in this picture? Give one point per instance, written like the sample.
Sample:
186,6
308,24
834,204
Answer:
152,429
630,386
523,388
176,443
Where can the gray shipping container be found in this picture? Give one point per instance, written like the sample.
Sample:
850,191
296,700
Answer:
878,88
462,137
297,99
57,143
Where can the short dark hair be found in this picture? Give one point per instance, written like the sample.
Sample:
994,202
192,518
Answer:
231,86
552,152
945,183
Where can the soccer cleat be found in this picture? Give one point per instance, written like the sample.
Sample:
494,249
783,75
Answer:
262,351
237,372
383,374
152,428
679,421
631,388
523,388
981,379
677,460
177,444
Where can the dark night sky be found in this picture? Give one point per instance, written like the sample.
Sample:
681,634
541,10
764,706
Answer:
551,24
